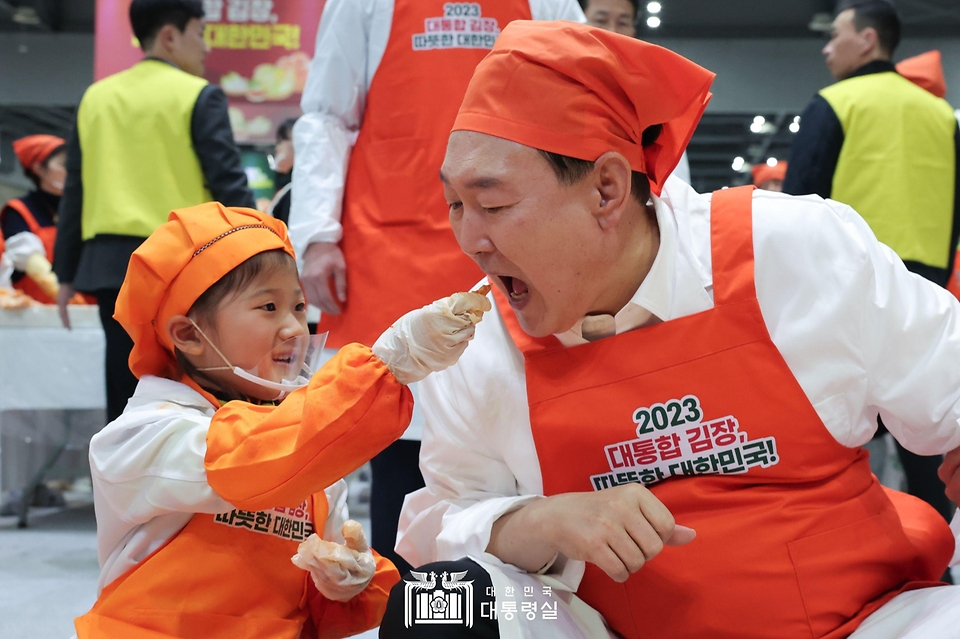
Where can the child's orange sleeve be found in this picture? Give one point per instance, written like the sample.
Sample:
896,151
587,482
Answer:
334,619
261,456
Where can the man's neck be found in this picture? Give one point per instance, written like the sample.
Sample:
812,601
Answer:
875,65
639,248
154,54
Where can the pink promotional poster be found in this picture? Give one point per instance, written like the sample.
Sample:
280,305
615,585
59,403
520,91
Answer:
260,52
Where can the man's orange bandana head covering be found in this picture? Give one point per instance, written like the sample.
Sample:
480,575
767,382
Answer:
36,148
580,91
926,71
177,264
763,173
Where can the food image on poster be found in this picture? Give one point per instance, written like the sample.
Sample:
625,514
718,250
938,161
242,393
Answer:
260,53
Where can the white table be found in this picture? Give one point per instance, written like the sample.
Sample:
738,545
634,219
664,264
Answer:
52,394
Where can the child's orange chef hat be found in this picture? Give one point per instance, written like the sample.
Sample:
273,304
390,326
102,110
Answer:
926,71
177,264
579,91
36,148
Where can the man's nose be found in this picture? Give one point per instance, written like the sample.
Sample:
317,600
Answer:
472,234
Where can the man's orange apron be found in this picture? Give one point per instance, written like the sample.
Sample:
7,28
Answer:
795,537
47,235
397,242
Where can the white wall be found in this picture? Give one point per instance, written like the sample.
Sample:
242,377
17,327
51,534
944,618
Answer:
44,69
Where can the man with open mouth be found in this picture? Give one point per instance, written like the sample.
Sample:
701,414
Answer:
658,432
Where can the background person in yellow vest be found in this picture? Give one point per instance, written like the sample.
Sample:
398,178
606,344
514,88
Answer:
878,142
148,140
383,91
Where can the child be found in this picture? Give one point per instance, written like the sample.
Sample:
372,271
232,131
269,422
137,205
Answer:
202,500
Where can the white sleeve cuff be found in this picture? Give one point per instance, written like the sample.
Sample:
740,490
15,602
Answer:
322,151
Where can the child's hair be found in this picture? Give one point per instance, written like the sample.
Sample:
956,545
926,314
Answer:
223,290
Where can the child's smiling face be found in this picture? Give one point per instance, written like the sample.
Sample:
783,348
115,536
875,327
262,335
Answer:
251,327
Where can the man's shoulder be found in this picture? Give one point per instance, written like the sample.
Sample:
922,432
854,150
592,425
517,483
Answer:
883,90
140,72
791,226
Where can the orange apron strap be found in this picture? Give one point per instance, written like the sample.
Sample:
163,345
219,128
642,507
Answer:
17,205
731,245
47,235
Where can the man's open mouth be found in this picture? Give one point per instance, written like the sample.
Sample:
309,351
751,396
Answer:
516,288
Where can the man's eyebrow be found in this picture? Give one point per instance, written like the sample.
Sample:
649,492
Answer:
476,183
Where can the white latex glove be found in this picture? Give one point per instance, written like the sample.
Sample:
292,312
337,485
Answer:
432,338
22,246
340,571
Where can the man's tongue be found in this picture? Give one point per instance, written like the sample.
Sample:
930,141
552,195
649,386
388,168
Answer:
518,288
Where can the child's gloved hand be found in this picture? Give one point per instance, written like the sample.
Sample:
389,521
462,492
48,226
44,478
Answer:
431,338
340,571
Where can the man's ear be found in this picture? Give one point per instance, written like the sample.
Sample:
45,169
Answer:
166,39
184,335
613,178
870,39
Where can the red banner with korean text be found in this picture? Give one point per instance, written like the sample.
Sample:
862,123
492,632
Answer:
260,53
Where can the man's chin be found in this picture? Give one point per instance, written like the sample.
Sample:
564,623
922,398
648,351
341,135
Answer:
539,326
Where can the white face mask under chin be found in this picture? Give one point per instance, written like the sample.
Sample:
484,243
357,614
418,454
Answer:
304,353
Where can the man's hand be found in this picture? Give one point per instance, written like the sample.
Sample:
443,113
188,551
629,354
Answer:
321,261
618,530
64,295
949,473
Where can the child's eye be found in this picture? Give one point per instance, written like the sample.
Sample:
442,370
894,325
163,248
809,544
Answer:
301,307
269,307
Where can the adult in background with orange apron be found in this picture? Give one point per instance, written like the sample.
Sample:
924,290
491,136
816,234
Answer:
367,215
665,415
29,223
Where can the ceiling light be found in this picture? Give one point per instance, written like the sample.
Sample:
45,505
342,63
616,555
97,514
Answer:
756,127
759,120
653,22
794,127
737,163
653,7
771,161
26,15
